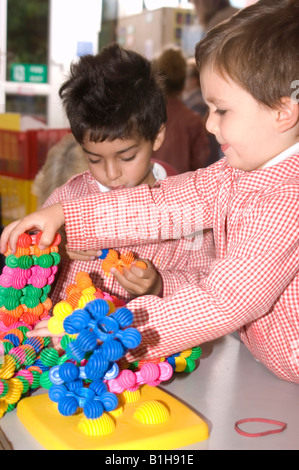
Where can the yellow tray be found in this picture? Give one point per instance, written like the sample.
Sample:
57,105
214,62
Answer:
183,427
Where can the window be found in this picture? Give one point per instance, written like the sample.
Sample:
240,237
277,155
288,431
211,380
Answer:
27,32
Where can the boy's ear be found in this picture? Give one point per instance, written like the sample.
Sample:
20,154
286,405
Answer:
160,138
287,114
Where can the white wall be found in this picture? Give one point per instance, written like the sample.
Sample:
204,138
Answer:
74,29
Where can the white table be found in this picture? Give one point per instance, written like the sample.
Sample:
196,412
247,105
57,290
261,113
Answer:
228,385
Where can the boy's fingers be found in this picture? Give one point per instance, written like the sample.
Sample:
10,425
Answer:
48,220
6,235
47,237
40,332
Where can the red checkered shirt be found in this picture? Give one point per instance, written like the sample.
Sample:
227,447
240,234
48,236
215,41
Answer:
175,261
252,287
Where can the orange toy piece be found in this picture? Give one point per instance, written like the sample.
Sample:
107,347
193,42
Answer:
140,264
114,260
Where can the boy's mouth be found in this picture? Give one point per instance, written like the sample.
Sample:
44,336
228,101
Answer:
114,188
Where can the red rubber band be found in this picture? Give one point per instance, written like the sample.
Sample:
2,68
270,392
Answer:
282,427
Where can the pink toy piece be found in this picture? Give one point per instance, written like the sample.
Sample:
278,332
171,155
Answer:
4,328
139,379
26,273
114,386
38,270
54,269
51,279
38,281
20,353
166,371
150,372
126,379
26,374
154,383
8,270
19,282
46,272
5,280
107,297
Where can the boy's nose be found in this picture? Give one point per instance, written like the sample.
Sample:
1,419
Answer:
112,171
211,124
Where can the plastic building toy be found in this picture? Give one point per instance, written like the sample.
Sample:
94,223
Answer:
101,340
21,370
155,420
25,283
111,259
87,381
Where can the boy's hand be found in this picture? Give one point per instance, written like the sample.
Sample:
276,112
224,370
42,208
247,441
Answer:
138,281
41,330
48,220
89,255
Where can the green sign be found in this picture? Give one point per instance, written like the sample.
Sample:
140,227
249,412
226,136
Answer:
30,73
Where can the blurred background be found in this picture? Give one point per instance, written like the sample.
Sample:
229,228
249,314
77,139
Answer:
38,41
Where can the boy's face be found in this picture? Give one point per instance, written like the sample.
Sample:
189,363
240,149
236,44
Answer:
120,163
245,129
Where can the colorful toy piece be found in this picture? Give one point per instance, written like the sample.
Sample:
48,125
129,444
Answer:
111,259
91,390
157,421
150,374
21,369
26,281
102,338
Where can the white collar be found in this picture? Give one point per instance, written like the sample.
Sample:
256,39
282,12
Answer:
158,171
282,156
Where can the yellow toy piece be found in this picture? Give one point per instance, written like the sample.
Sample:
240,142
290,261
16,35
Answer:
178,427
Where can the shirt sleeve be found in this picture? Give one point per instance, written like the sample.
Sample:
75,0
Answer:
54,198
141,215
261,261
198,262
260,257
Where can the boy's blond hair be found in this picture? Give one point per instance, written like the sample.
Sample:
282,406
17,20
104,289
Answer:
258,49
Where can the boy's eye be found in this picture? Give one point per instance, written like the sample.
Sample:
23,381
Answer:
221,112
129,159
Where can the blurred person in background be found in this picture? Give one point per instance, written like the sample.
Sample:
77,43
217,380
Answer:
192,97
212,12
186,144
64,160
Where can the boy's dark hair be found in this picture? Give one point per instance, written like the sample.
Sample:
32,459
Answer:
257,48
113,95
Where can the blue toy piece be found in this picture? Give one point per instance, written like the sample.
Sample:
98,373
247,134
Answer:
104,253
78,379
